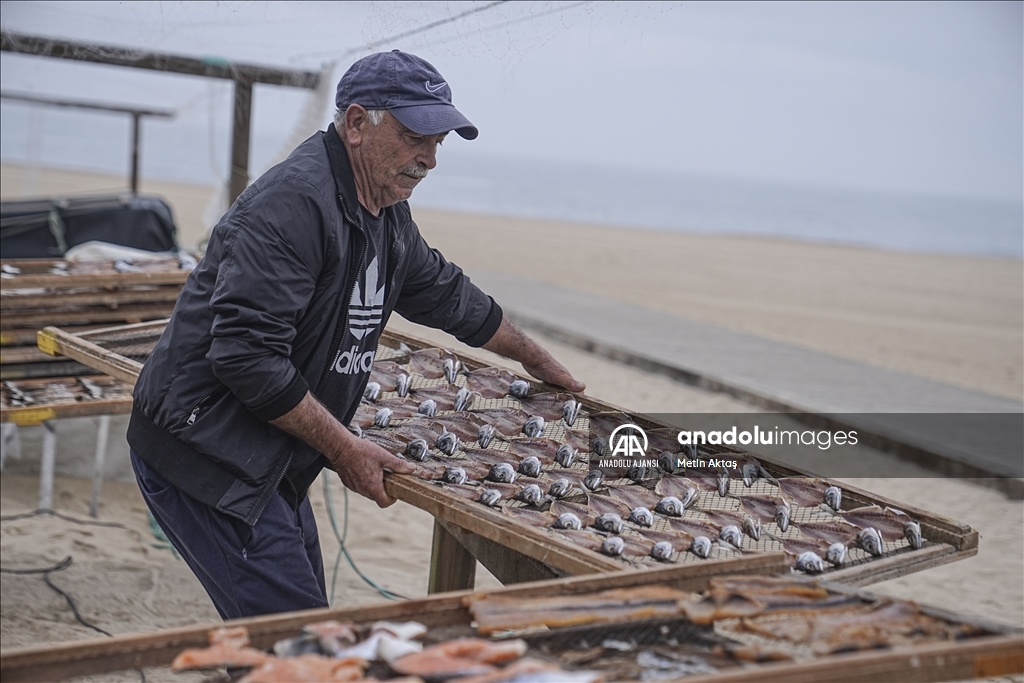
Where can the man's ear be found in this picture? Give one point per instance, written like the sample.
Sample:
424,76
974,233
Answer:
356,121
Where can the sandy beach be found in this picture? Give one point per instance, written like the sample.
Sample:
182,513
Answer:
953,319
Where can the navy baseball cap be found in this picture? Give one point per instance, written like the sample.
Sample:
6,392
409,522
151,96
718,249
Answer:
407,86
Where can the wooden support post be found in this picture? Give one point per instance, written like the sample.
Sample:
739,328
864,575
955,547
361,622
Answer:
452,568
240,140
136,120
507,565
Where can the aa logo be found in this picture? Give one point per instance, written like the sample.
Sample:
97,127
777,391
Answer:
625,441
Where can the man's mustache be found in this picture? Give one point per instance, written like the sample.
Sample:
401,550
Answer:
416,171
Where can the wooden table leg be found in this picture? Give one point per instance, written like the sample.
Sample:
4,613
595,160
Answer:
452,568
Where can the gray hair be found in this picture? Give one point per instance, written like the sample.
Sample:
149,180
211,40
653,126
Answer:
375,116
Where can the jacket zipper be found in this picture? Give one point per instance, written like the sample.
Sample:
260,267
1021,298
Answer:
205,403
394,273
265,499
336,341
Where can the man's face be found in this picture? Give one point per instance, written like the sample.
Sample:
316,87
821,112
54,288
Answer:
392,159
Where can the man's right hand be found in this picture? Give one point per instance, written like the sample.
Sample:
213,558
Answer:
361,465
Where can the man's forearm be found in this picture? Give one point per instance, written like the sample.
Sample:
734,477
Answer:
314,424
360,464
509,341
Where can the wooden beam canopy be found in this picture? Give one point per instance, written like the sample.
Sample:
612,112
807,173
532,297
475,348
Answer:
243,75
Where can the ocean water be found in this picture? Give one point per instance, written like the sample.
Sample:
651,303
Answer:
468,181
678,201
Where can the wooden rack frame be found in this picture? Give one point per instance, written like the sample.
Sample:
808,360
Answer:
465,532
1000,653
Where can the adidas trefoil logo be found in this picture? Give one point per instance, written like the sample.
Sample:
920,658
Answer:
366,309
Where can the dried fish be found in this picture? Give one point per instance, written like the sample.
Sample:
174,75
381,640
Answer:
782,515
568,520
382,418
451,369
723,482
446,397
695,527
417,449
640,473
507,421
685,490
807,491
888,522
662,550
609,521
766,509
560,488
530,466
593,480
701,547
565,455
531,495
447,443
466,424
490,382
752,527
428,408
830,532
385,375
836,554
502,473
634,496
455,475
459,658
94,390
670,506
490,497
520,388
485,435
912,531
541,448
402,384
552,406
751,469
669,463
834,498
604,504
730,534
641,516
431,363
372,391
870,540
613,545
531,516
18,396
810,563
534,426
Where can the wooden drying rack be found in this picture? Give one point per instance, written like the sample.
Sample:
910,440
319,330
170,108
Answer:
465,532
1000,651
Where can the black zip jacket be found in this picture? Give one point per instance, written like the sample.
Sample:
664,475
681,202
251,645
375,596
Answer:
259,323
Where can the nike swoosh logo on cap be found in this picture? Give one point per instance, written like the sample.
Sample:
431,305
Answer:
435,88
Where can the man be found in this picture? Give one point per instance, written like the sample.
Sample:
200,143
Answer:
245,397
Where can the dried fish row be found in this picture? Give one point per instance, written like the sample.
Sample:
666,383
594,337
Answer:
486,439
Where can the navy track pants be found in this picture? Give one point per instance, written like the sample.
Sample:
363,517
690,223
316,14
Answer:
274,566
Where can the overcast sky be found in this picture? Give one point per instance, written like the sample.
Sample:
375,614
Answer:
915,97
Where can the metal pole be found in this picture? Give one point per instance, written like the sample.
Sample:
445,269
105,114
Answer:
135,152
47,466
240,140
102,433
